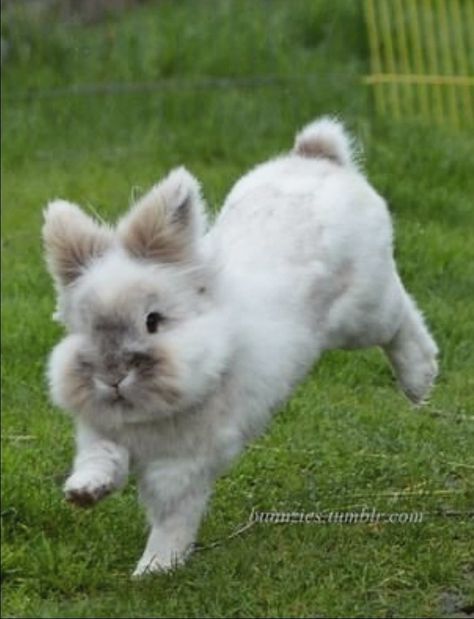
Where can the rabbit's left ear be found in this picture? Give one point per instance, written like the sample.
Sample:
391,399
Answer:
72,240
165,224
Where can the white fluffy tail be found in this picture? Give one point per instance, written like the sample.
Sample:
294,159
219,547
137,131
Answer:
327,139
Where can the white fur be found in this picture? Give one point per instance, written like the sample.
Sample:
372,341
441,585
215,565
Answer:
299,261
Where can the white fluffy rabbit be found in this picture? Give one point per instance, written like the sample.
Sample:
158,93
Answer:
181,340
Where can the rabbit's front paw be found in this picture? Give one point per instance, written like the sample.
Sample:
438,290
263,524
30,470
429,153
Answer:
153,564
84,489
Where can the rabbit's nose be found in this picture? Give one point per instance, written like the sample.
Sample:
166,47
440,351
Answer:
115,383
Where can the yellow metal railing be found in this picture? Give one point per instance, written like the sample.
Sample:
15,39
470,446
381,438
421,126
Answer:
422,58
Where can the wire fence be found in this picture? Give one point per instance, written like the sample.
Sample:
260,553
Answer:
422,62
168,85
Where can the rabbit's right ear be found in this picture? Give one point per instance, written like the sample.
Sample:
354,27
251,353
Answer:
166,224
71,240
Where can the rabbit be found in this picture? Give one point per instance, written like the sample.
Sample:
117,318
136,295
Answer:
183,337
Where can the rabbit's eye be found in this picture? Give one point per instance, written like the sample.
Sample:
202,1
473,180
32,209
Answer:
152,321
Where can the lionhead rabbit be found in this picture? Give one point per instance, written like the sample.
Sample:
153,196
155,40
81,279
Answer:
181,339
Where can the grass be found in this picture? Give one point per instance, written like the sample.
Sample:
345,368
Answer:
347,438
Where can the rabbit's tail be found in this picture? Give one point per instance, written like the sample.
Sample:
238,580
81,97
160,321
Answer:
325,138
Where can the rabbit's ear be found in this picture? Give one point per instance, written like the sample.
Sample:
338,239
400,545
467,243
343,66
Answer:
71,240
166,223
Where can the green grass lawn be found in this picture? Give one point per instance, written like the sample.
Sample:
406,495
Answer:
347,438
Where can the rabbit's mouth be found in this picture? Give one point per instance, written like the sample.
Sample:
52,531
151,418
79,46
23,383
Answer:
112,392
116,400
119,400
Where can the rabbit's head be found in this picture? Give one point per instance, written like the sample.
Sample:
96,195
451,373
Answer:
146,333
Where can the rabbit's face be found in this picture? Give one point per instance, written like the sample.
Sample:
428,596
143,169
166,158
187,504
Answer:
146,337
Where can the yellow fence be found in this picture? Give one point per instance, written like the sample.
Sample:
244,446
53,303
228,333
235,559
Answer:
422,58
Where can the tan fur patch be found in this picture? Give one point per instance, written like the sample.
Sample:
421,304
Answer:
309,148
